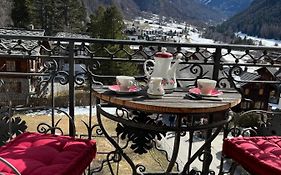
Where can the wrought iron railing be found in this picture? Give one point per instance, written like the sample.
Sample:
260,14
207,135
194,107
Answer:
233,66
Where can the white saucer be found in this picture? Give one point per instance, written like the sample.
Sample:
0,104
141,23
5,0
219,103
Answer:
213,93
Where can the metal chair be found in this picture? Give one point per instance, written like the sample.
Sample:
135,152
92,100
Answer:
257,148
31,153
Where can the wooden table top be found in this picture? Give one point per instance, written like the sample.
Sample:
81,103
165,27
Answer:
170,103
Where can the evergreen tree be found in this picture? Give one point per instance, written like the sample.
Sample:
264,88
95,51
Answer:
107,23
20,14
96,23
58,15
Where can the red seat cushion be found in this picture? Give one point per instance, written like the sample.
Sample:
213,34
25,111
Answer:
46,154
258,155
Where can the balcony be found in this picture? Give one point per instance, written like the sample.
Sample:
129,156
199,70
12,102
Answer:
48,86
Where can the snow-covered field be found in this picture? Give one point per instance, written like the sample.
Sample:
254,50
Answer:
264,41
79,110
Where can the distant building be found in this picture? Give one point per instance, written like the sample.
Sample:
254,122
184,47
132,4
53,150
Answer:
61,49
260,94
17,88
78,45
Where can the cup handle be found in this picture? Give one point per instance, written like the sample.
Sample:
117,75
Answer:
146,69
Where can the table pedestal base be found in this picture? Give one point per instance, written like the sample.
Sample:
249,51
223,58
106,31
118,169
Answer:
139,130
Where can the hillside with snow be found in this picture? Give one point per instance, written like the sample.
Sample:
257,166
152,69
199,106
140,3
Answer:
227,7
190,33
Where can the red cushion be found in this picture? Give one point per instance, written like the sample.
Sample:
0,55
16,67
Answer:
258,155
46,154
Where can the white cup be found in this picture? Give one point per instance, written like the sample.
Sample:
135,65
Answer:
155,87
206,85
125,82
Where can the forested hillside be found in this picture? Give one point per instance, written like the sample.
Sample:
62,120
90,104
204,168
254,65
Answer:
228,7
262,19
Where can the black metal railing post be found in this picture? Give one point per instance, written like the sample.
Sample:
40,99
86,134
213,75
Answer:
71,87
53,102
217,65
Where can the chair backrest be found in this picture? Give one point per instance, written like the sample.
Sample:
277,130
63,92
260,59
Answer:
256,123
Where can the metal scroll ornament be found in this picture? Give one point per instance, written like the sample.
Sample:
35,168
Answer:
141,138
10,126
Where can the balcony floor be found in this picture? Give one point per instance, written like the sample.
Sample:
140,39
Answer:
168,141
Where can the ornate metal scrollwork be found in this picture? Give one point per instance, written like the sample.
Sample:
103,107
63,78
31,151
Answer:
45,128
197,172
52,74
141,138
89,73
140,168
224,83
9,125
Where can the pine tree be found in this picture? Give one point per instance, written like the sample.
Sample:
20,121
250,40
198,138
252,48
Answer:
96,23
108,24
58,15
20,14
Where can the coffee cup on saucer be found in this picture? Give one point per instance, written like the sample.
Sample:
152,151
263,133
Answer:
125,82
206,85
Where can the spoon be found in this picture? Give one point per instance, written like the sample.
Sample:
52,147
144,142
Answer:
193,96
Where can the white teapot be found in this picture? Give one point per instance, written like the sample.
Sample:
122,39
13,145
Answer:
162,68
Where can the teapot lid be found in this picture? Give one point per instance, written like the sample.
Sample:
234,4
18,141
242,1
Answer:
163,54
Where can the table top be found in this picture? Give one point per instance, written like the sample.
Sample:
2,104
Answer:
170,103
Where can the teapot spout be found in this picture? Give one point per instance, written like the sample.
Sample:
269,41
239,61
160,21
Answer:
172,70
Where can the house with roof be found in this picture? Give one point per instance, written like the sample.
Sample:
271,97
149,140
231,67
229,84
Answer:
79,49
259,95
18,88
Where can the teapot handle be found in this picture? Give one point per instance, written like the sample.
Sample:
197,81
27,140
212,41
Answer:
147,70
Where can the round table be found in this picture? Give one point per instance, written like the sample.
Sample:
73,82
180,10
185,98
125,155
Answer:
142,117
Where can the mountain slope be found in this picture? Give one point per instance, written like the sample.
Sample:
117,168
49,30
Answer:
190,10
228,7
261,19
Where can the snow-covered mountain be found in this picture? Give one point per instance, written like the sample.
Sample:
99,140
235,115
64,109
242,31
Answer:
228,7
